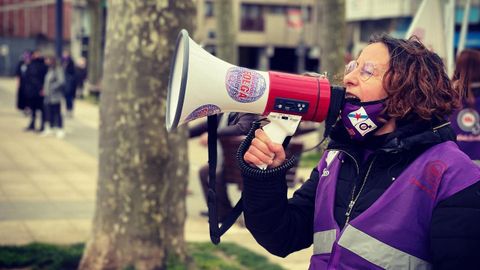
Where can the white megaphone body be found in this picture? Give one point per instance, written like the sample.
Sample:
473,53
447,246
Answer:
201,85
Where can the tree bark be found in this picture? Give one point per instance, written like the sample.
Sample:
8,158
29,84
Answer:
95,48
332,38
226,43
140,209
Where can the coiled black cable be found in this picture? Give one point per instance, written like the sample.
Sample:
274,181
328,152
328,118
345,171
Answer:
256,172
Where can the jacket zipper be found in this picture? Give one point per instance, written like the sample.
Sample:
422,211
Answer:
353,201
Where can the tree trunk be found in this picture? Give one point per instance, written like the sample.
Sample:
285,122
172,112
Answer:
332,38
95,48
140,209
226,45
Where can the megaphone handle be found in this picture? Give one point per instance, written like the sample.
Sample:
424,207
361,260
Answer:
281,125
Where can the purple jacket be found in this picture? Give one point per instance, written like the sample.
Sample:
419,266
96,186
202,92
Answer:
393,232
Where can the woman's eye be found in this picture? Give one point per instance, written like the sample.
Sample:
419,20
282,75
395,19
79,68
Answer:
368,72
350,67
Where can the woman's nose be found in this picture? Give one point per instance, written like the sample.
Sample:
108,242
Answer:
350,78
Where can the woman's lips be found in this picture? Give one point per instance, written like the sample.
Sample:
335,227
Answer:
351,96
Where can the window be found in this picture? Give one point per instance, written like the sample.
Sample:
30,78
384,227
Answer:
252,18
280,10
209,9
211,34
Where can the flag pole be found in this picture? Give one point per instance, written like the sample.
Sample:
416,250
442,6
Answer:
416,18
449,34
464,30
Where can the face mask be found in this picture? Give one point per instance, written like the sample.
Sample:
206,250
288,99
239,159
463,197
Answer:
361,119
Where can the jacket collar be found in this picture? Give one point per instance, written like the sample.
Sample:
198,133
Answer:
407,136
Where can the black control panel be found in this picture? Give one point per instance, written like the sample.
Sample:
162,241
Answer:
291,105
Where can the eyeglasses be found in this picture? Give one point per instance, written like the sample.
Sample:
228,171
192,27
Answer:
366,72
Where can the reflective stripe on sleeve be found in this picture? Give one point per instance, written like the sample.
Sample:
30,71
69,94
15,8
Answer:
323,241
378,252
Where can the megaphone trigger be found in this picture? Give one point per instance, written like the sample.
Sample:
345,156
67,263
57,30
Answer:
280,126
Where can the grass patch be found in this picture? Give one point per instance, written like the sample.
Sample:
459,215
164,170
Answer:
41,256
228,256
310,159
38,256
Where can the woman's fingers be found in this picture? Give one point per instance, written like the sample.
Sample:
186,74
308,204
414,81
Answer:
257,157
279,154
262,136
262,146
263,151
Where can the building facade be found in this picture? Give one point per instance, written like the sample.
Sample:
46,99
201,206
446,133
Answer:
31,24
366,17
32,18
268,33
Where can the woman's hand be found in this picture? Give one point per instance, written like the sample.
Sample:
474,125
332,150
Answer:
263,151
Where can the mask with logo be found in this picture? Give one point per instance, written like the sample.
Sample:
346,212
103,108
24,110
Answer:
361,119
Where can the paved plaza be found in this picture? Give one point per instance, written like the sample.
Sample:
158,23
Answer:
48,185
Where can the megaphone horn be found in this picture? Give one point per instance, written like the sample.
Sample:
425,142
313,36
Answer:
201,84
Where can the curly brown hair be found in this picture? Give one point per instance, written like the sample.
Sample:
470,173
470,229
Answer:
416,81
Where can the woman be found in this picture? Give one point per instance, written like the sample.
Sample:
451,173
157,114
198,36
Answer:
392,190
70,84
466,121
34,78
20,74
53,88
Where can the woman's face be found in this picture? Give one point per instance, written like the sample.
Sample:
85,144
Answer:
48,61
363,77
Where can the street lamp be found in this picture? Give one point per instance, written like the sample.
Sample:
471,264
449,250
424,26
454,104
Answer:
58,28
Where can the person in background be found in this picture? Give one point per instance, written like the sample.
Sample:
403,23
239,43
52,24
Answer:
53,96
70,84
20,74
392,190
230,124
466,120
34,78
81,75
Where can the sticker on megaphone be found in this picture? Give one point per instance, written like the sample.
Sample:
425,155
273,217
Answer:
244,85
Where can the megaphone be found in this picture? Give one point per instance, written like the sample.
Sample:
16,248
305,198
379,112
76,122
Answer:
201,85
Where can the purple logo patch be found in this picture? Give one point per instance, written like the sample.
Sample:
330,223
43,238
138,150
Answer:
202,111
431,177
245,85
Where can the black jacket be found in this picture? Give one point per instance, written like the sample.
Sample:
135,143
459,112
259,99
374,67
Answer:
34,78
283,226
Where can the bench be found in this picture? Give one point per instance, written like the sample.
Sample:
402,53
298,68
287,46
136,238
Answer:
231,171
